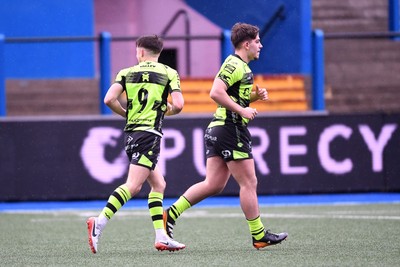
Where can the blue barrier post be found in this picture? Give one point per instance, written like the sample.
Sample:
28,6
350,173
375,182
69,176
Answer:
318,70
394,17
105,69
226,46
3,101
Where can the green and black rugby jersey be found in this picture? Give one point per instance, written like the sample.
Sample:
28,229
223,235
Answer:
147,87
238,77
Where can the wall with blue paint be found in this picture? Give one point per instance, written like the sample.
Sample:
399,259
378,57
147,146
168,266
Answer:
48,18
287,45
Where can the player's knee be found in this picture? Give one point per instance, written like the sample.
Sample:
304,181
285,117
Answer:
216,188
249,183
159,186
133,188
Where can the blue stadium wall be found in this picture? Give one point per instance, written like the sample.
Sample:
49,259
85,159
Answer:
287,44
48,18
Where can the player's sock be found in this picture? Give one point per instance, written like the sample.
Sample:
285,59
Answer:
256,228
102,221
178,208
117,199
155,203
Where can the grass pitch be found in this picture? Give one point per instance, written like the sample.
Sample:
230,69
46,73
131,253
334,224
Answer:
323,235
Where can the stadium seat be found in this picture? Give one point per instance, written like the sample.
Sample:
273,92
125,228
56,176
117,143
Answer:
286,93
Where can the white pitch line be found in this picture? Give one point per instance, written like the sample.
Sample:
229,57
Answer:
197,214
316,216
205,214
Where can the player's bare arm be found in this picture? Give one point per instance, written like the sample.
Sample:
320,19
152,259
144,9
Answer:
111,99
219,95
177,104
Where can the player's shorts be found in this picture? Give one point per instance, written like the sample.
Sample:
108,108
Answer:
142,148
229,142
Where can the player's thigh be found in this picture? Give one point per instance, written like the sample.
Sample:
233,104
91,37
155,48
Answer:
137,175
243,171
217,172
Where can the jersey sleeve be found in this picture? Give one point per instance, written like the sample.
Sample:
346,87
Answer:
230,72
121,77
175,84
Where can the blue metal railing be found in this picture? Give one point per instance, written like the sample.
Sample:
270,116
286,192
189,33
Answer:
3,111
394,17
226,45
104,40
318,71
105,69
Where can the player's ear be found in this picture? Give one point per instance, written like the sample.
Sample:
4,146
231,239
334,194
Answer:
246,44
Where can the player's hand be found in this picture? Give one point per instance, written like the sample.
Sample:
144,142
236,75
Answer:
262,93
249,113
169,109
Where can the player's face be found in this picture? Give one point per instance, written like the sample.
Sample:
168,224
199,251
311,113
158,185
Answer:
255,48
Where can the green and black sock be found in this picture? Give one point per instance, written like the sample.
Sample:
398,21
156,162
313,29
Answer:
178,208
155,203
117,199
256,228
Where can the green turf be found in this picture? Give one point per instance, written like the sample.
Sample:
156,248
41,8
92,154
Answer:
348,235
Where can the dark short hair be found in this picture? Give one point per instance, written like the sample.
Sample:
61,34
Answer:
150,42
243,32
